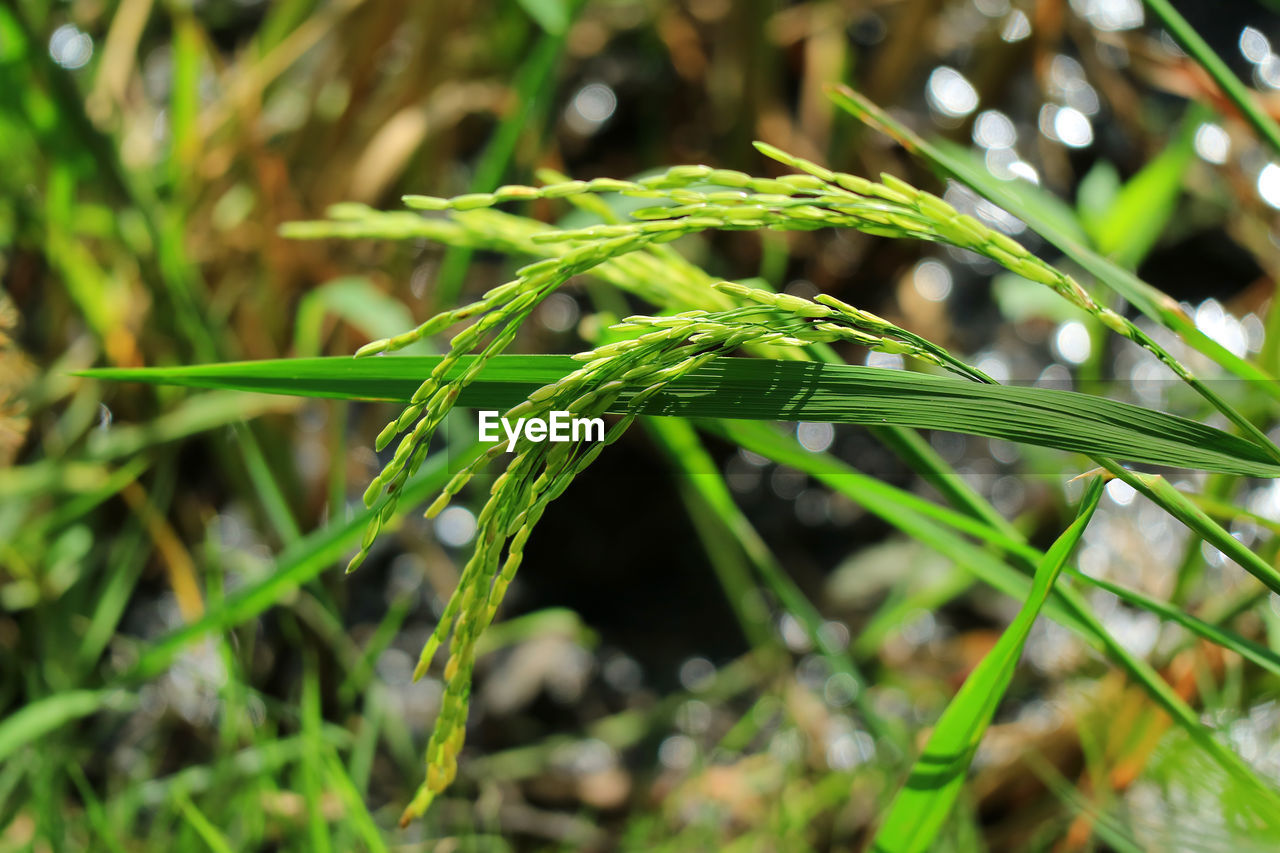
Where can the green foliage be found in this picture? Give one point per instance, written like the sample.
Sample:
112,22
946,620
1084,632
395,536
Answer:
1031,207
148,254
757,389
675,364
925,801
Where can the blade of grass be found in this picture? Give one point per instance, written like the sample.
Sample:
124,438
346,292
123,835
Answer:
700,474
184,98
37,719
1246,648
1190,40
112,597
1107,827
312,768
1230,512
731,569
366,740
922,806
919,519
921,457
199,413
357,811
67,512
1141,210
1147,299
355,300
382,638
241,766
897,610
180,568
272,499
203,827
718,539
104,832
552,15
780,390
1190,568
339,416
532,99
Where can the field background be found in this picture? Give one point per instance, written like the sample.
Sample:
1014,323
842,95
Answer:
641,690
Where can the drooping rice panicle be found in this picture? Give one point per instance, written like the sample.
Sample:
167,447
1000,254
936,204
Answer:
504,309
666,349
632,255
820,197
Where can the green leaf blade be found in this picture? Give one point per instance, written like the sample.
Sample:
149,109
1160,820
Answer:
921,807
763,389
1151,301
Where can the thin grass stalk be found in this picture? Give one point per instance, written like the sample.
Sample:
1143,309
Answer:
1239,94
921,807
1149,300
698,470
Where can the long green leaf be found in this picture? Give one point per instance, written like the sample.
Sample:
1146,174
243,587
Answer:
930,523
37,719
301,562
209,834
1246,648
1232,87
703,480
1141,210
927,522
761,389
1147,299
921,807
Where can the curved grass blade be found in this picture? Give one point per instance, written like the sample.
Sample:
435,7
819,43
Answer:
1248,649
1140,212
937,527
1149,300
208,832
761,389
37,719
921,807
1232,87
301,562
928,523
684,448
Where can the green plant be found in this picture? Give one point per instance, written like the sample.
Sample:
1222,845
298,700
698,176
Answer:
679,362
179,667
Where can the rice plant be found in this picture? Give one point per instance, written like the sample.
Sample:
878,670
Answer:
151,198
647,356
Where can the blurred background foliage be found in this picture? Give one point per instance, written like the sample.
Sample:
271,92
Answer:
168,583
